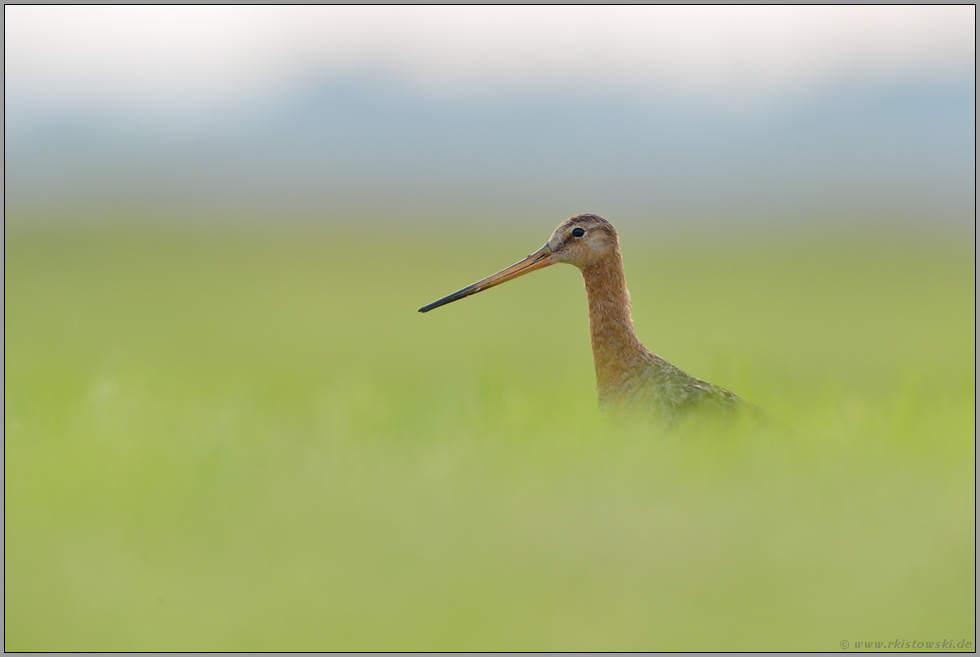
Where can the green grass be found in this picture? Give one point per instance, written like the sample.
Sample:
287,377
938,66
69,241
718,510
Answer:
248,441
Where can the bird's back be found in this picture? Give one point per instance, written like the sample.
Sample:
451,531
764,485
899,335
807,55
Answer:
656,387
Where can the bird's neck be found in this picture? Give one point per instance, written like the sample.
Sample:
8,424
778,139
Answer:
615,348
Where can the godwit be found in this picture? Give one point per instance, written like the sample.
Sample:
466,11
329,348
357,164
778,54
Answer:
627,374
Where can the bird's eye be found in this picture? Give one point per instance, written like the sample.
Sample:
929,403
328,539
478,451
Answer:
578,232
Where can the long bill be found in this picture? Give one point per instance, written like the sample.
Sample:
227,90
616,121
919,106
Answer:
537,260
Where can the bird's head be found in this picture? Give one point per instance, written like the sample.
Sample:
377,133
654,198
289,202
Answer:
583,240
580,240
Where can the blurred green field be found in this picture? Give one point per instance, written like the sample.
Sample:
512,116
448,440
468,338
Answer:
247,440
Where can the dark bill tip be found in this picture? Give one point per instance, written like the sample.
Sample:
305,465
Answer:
455,296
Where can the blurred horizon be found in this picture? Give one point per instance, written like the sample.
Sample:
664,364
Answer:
662,117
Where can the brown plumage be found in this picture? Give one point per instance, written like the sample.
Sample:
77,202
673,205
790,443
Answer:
628,375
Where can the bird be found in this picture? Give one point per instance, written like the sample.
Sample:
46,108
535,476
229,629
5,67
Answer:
629,377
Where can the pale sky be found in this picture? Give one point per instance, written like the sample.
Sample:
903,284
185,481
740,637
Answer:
187,56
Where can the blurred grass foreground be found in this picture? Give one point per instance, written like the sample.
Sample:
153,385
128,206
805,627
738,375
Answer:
251,441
